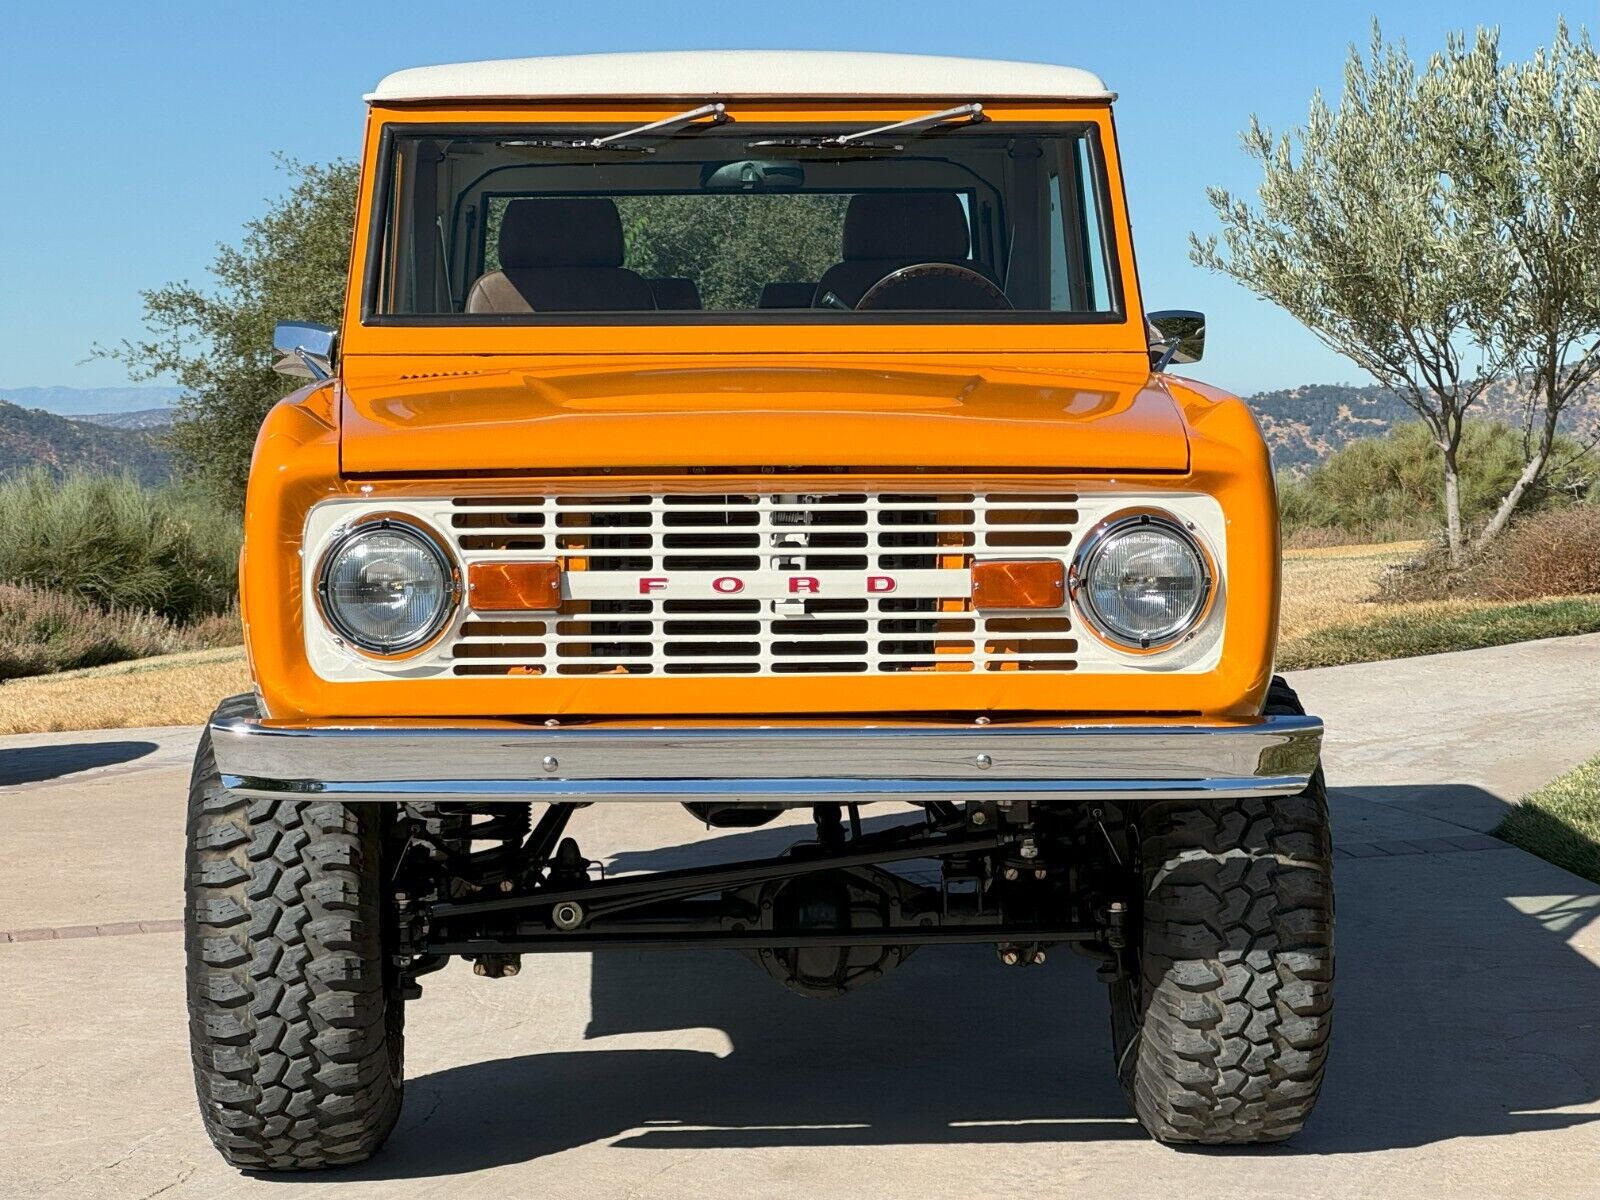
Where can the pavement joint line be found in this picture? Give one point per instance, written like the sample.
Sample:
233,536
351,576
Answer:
1395,847
105,929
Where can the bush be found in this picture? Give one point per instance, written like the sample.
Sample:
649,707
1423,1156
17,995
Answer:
110,542
1551,553
43,631
1554,553
1392,487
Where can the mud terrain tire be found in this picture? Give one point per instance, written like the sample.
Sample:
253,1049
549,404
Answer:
295,1016
1222,1038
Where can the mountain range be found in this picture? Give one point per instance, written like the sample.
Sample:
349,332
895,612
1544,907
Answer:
78,402
31,437
118,428
1304,425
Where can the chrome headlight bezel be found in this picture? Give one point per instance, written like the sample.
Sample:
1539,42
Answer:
1091,552
431,542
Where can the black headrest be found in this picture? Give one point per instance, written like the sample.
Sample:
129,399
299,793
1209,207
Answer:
672,293
787,293
561,231
921,225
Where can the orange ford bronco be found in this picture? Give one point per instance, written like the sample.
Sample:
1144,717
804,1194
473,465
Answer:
773,434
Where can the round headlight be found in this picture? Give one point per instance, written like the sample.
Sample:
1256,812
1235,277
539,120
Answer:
1142,581
387,586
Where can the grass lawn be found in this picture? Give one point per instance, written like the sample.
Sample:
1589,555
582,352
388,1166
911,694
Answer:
1407,630
1561,822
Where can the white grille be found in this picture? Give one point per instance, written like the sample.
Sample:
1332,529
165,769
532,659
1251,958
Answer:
925,542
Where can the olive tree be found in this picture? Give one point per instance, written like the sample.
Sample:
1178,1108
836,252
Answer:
1356,232
1527,173
217,341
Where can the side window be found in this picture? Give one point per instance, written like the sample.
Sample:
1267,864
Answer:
1079,278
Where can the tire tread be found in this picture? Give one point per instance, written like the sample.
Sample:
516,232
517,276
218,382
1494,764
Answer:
1237,964
294,1035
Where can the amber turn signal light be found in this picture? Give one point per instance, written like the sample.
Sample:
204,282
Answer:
1031,583
514,586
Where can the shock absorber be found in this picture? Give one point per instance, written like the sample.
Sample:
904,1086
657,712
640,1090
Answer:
481,844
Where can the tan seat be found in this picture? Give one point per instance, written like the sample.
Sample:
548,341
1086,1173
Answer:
560,254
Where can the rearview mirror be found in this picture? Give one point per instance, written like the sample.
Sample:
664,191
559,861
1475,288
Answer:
1177,335
753,175
307,349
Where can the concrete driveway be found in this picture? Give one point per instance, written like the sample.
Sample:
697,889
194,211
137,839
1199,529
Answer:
1466,1058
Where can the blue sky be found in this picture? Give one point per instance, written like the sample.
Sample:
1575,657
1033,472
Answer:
139,135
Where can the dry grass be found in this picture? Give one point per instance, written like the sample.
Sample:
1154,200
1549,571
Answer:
1550,553
175,689
1334,585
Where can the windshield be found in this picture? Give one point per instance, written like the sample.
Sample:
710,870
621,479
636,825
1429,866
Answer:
728,221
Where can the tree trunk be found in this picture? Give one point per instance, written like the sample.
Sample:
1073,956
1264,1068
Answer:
1508,506
1452,508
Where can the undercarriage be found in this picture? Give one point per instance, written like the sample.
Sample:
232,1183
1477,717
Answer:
830,913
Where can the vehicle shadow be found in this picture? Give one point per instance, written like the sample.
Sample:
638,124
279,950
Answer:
1462,1012
33,764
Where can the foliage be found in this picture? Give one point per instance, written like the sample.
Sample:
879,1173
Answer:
1407,630
1358,234
1392,483
106,540
44,631
291,263
1523,157
1561,822
729,245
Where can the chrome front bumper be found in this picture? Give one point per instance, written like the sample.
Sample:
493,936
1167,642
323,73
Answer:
407,760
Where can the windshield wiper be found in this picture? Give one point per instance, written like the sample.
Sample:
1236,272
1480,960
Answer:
865,139
682,122
970,113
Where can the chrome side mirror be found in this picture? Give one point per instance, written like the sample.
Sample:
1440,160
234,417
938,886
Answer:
307,349
1177,335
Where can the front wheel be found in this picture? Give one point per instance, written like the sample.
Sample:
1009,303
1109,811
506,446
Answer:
1220,1026
295,1017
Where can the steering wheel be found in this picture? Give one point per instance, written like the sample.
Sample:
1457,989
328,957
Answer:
933,285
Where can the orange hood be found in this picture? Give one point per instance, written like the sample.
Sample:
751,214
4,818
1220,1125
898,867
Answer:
526,415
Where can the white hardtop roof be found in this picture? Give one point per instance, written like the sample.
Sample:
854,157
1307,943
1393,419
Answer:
713,74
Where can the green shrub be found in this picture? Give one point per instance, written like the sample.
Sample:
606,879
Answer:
1393,486
106,540
43,631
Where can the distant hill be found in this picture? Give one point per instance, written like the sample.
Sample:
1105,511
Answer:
1304,425
139,418
31,437
78,402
